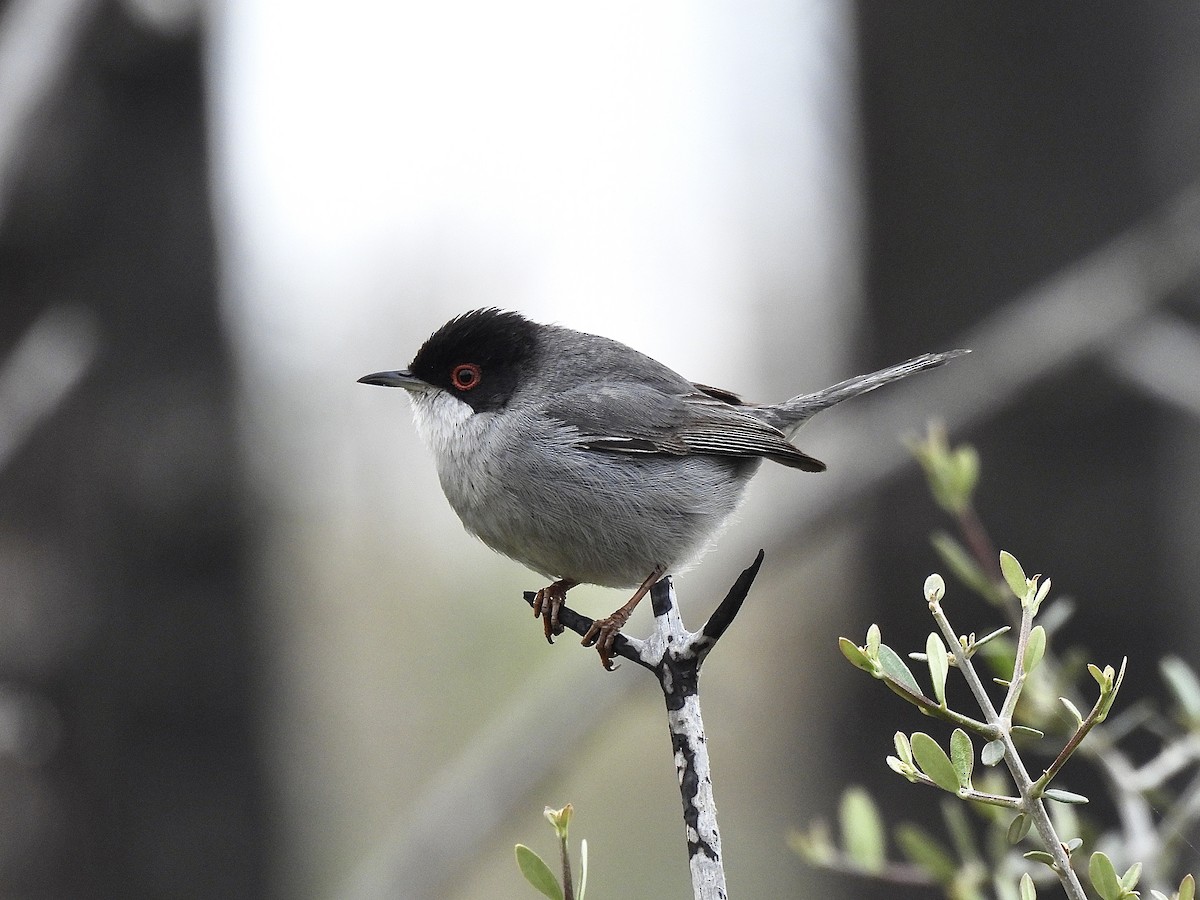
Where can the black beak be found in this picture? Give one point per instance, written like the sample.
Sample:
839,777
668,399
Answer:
400,378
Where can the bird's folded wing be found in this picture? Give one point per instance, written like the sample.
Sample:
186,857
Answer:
635,418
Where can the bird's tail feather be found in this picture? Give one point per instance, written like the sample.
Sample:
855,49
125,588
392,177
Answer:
795,412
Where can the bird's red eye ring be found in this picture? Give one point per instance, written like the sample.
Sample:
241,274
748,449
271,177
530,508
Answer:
466,376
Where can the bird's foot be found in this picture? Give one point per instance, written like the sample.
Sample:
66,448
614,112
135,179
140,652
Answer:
547,602
603,633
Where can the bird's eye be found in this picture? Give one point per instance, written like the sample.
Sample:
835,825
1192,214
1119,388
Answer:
466,376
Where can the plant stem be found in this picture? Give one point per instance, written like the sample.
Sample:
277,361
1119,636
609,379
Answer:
567,881
1034,805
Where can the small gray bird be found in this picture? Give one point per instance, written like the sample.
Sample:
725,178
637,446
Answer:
588,461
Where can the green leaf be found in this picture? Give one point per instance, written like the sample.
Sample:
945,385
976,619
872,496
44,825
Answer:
1040,856
815,845
1041,595
965,471
537,873
951,474
1104,877
1026,731
583,859
935,588
1064,796
961,564
857,658
993,752
894,668
873,641
1073,708
1028,891
1103,677
1184,686
934,762
1109,697
1187,888
988,638
863,837
925,851
1035,647
903,748
1130,879
962,757
560,819
939,667
1014,575
1018,828
959,827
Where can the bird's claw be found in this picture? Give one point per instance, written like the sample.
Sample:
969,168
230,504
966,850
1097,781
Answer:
546,604
603,633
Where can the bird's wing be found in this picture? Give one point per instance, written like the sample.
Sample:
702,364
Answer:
637,418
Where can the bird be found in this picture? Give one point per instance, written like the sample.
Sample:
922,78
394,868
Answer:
590,462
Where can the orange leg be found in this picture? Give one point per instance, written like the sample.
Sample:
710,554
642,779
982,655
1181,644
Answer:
604,631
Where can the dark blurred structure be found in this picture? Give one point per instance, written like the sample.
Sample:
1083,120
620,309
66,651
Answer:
128,766
1003,143
1001,146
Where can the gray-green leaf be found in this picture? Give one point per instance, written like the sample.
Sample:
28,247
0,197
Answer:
1028,891
583,867
894,668
1018,828
939,667
1184,685
925,851
1065,796
1035,647
1014,575
854,654
1130,879
961,564
863,836
962,757
1104,877
992,753
934,762
537,873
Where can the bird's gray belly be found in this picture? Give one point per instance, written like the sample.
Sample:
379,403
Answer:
600,518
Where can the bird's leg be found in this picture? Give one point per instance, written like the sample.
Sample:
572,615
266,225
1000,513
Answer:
604,631
548,601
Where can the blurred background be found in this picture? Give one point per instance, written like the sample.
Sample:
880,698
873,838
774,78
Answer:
246,649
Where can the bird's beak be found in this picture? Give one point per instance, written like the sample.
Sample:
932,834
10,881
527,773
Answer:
401,378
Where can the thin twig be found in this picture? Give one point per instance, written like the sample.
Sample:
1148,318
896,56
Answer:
675,655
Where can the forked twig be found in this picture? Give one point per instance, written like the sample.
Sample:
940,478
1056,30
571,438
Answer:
675,655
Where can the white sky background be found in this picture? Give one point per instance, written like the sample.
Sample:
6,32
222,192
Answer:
678,175
626,168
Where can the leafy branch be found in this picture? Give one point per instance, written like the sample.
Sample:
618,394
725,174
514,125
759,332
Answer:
1021,654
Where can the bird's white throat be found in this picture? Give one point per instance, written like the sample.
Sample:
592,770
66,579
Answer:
441,420
454,434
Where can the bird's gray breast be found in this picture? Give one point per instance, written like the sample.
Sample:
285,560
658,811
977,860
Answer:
523,484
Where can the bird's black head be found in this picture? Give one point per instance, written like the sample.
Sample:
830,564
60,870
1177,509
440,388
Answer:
479,357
